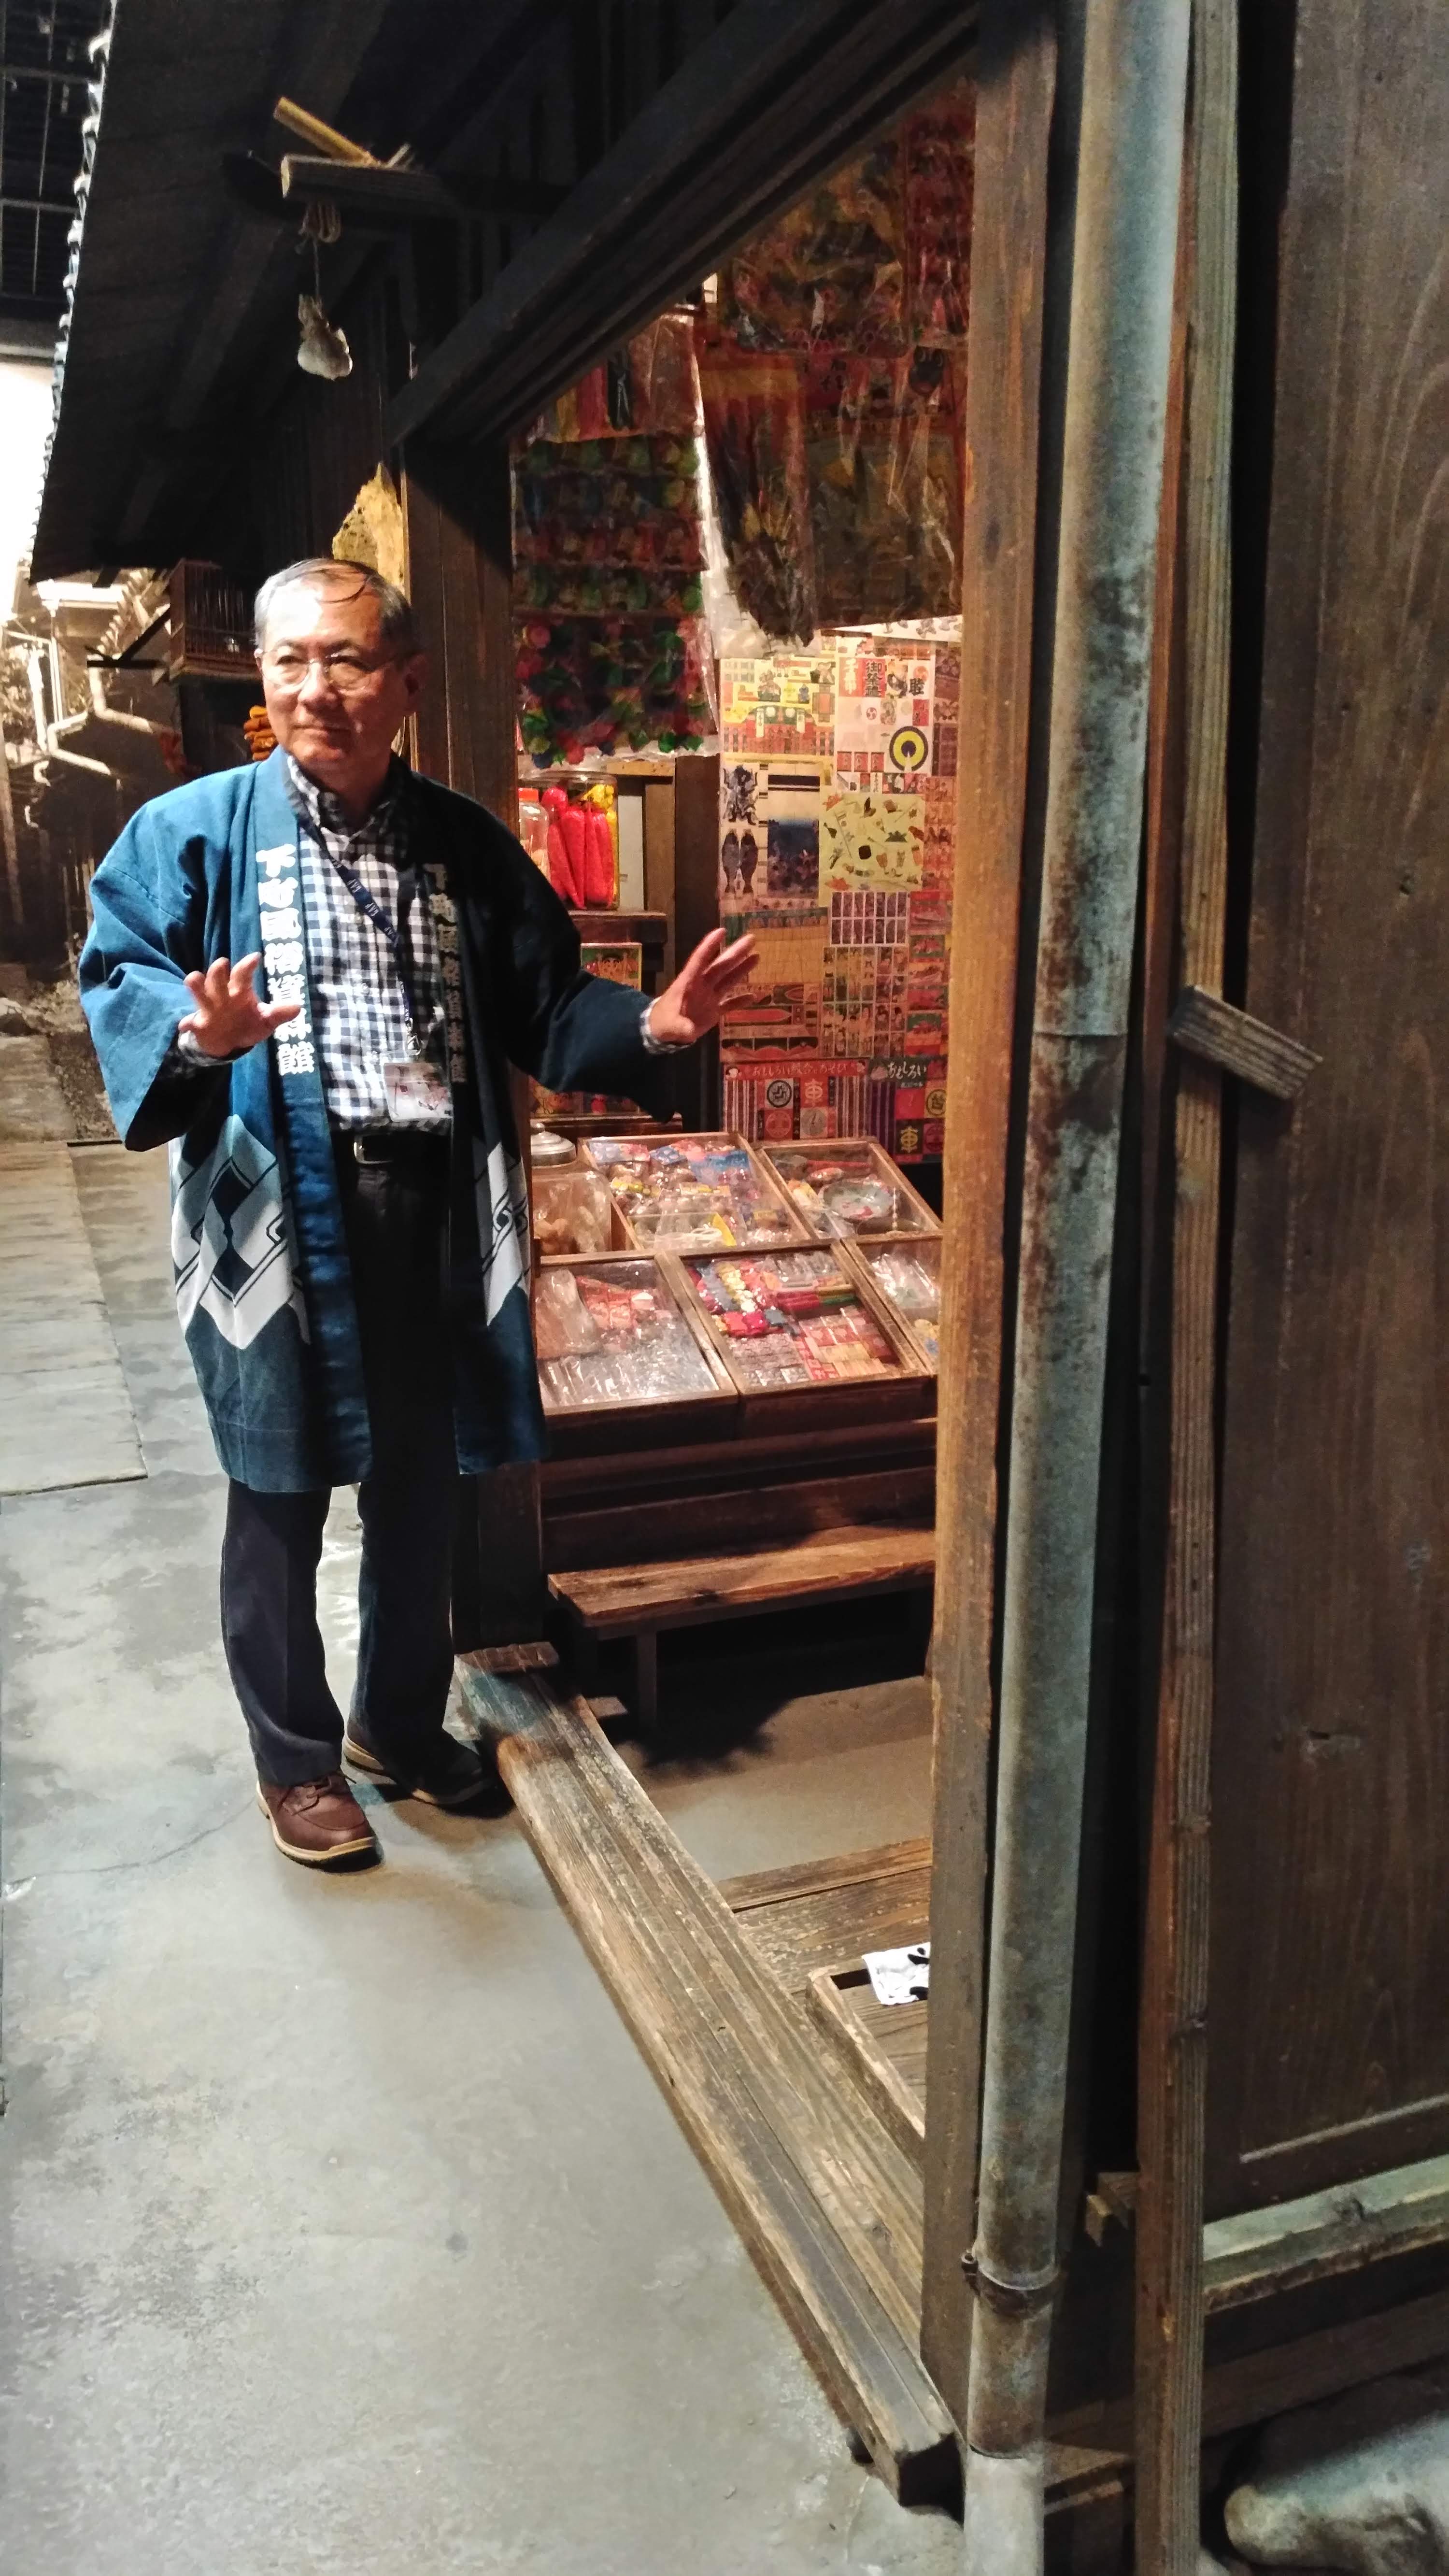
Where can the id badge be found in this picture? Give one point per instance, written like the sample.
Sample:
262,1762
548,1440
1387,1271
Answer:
415,1092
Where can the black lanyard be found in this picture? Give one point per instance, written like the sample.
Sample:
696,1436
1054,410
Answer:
386,928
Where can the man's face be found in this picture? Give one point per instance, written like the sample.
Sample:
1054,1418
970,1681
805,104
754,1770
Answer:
335,691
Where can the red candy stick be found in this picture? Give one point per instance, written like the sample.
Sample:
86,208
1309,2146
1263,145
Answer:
560,856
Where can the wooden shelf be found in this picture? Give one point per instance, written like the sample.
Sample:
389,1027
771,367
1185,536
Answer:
607,929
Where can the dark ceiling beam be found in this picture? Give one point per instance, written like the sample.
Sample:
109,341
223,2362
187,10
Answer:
388,200
774,100
324,70
457,102
246,263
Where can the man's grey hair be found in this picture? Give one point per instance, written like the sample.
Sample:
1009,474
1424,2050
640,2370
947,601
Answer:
399,626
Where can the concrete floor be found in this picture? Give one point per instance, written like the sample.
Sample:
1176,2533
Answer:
347,2230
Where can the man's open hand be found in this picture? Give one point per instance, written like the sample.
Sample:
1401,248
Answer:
692,1004
228,1018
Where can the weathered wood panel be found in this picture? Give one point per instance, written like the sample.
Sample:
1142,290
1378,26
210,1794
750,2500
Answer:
1330,2006
1017,79
1172,2033
826,2202
804,1917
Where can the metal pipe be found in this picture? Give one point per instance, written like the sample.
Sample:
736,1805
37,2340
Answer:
105,713
51,734
1133,97
73,759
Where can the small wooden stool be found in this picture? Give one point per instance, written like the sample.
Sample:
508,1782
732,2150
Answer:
637,1601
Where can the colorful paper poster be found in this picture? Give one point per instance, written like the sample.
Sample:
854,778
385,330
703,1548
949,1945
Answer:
948,710
769,852
870,841
781,1006
847,1030
620,962
906,1106
865,1001
938,854
866,920
772,1100
783,704
885,710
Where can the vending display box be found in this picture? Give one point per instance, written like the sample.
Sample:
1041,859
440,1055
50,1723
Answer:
624,1358
807,1339
848,1185
575,1211
688,1194
905,1270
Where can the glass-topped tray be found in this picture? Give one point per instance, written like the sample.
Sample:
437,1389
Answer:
848,1186
907,1271
694,1193
794,1319
611,1332
573,1212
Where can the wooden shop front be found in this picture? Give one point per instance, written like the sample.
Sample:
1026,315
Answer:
1249,2124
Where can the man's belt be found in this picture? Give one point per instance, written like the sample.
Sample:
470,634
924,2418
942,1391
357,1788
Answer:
427,1146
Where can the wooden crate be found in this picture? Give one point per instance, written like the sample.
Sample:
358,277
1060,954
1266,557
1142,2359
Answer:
724,1140
871,1253
909,1388
859,1156
557,1191
729,1489
603,1424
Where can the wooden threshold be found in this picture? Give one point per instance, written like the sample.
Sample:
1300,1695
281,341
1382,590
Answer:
713,1982
881,2047
814,1913
822,2195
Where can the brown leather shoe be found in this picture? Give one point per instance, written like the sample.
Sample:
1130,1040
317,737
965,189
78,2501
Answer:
317,1821
447,1774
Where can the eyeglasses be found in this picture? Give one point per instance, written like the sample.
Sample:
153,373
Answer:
343,668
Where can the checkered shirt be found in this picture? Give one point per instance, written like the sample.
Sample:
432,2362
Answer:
360,1015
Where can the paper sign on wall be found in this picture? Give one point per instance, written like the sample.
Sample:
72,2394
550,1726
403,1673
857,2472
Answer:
870,840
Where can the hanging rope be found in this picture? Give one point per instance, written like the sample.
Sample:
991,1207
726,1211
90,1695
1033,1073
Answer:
321,221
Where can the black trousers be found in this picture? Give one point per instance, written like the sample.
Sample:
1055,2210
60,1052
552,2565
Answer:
394,1212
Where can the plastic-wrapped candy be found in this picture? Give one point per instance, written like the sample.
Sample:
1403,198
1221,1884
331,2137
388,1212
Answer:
638,1349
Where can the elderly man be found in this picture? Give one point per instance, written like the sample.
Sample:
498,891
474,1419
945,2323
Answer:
349,1217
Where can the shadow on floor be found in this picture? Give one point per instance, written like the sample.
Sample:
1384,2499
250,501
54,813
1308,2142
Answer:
719,1688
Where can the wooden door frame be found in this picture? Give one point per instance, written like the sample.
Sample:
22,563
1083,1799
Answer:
999,648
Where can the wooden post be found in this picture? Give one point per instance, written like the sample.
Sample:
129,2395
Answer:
456,511
1172,2083
1014,108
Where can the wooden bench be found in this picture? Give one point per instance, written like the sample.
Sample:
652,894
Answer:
637,1601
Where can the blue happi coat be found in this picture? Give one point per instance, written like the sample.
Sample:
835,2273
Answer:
262,1278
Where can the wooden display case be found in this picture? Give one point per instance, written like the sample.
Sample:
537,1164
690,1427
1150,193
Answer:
858,1159
575,1212
617,1155
903,1386
620,1415
888,1261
